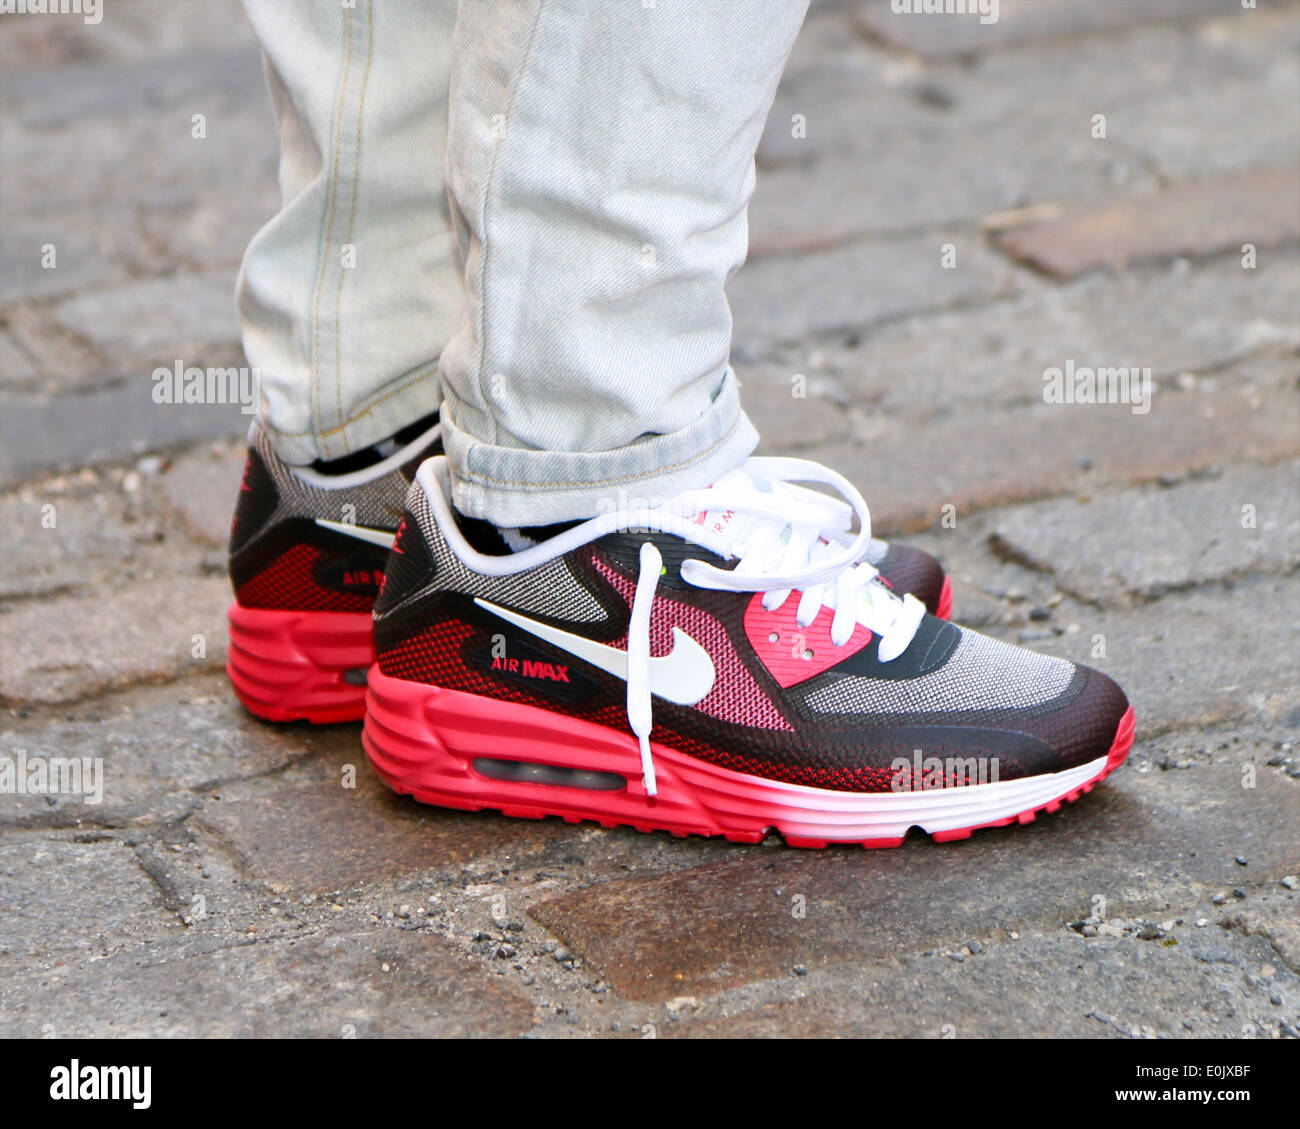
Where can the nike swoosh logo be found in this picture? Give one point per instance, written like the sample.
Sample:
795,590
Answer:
382,537
684,676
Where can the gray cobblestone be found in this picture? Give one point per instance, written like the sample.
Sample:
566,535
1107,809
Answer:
156,315
1143,543
1061,985
73,646
1023,20
780,300
61,897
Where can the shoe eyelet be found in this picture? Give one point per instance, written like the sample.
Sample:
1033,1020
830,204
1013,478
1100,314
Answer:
808,654
775,637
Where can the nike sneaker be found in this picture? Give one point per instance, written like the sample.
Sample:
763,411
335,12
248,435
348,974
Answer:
726,664
307,552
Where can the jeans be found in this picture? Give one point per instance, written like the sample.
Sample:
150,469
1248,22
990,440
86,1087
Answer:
523,212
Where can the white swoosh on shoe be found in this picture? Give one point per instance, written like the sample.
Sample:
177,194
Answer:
382,537
685,675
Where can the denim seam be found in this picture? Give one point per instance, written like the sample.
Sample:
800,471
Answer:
352,217
404,382
497,158
328,242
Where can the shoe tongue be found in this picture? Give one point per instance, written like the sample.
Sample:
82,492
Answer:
731,525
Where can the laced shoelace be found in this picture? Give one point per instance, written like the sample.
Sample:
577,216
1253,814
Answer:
794,540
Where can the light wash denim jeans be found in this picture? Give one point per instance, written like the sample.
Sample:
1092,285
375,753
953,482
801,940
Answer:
538,200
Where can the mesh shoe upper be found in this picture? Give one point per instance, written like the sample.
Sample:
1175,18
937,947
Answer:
785,702
302,540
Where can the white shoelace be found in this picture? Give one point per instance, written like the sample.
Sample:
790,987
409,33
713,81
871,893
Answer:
784,538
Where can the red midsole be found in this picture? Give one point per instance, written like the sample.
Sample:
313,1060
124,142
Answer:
424,740
295,665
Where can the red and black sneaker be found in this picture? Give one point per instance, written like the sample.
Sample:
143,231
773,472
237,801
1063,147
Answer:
724,665
307,555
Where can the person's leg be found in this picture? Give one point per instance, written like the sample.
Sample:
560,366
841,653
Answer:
347,298
600,164
348,350
348,295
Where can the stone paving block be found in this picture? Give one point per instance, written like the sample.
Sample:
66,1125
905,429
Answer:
71,161
793,409
973,606
842,82
42,43
389,984
1145,61
990,591
883,146
1152,318
91,531
137,30
160,747
97,244
59,96
114,422
147,29
891,144
911,469
783,299
1275,917
73,646
927,171
1145,842
214,229
157,314
1174,321
311,833
91,534
16,366
59,897
1197,218
203,487
46,360
1142,543
1199,132
81,258
1037,987
1198,657
1019,21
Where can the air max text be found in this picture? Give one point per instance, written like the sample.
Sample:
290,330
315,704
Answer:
549,672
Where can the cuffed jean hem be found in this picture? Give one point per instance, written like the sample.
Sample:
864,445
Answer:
511,487
405,400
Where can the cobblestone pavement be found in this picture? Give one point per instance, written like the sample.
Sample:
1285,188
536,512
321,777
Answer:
937,223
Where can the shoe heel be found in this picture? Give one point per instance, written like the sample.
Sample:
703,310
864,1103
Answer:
300,665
